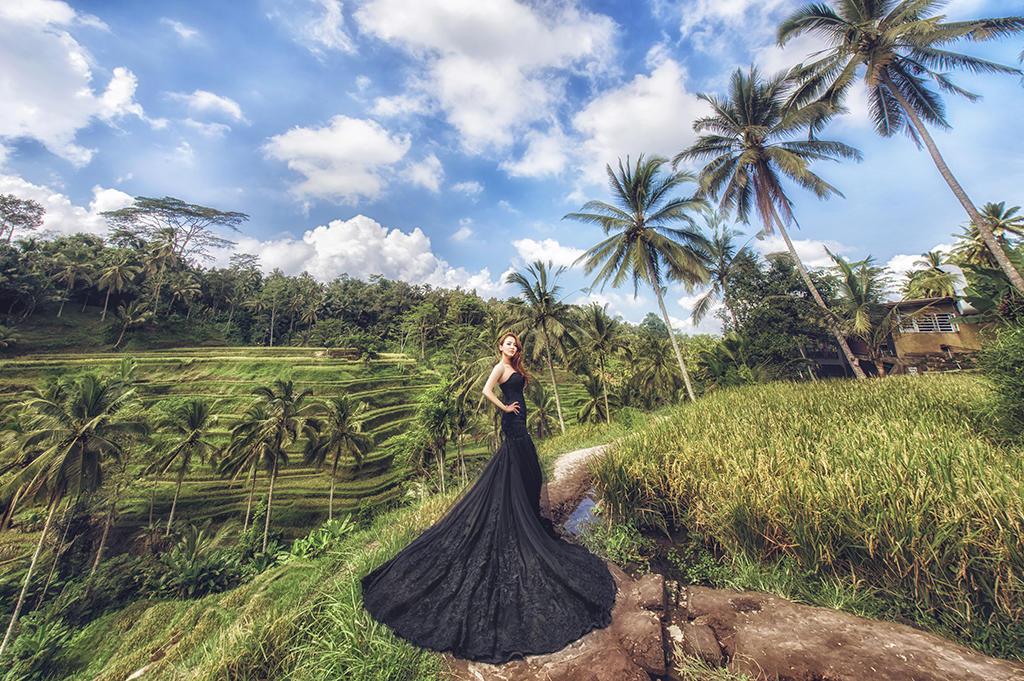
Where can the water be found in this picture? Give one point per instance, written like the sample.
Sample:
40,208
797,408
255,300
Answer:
583,514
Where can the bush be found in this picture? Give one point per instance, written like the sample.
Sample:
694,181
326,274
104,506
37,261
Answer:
38,650
1002,363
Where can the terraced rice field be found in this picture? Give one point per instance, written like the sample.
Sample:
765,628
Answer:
227,377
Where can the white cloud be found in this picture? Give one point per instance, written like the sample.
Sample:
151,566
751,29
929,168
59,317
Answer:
186,33
208,129
548,249
62,216
428,173
47,83
318,25
343,161
203,101
184,153
547,153
471,188
462,234
399,105
623,305
509,207
647,115
361,247
363,82
488,64
811,251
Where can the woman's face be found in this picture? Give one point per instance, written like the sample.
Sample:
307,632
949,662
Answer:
508,347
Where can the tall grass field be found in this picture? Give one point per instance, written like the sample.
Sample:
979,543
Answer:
892,484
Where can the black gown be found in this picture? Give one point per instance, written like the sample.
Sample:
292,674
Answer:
487,582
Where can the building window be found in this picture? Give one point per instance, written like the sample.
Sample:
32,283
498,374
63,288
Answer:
936,322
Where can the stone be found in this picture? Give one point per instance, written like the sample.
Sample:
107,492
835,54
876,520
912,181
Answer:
640,636
650,592
699,641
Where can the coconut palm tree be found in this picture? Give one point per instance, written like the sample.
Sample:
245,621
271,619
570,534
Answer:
860,309
249,445
115,277
644,246
971,248
931,281
289,418
72,432
544,312
134,313
725,259
341,435
900,46
189,425
544,410
749,150
600,336
70,271
159,257
591,408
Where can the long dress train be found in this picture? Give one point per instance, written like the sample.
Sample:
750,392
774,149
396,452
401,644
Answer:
486,582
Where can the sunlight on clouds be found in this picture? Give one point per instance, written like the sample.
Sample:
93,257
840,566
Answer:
428,173
343,161
208,102
811,251
546,154
646,115
62,216
548,249
361,247
46,88
317,25
486,64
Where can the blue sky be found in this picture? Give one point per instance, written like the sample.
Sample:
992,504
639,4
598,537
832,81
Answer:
441,142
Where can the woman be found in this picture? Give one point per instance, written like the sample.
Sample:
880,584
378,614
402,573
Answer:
487,582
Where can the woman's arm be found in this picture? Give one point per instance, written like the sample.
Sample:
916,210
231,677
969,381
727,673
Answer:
496,373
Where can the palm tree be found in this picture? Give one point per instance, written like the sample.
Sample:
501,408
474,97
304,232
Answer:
341,435
71,271
72,432
186,288
725,259
899,44
645,247
655,378
160,256
189,425
249,444
971,248
544,408
591,408
749,151
932,281
861,311
600,336
132,314
289,418
115,277
544,312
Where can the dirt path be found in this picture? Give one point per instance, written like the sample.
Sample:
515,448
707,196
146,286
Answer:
569,482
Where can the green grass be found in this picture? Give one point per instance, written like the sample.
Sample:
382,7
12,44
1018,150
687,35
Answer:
302,620
888,484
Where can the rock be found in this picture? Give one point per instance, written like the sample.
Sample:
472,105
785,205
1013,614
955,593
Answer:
770,637
640,636
650,590
699,641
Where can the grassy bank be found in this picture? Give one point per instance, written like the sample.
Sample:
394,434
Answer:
890,486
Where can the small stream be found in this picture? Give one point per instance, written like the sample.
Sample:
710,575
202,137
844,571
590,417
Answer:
583,514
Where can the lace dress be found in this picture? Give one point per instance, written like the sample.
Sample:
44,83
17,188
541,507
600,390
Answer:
487,582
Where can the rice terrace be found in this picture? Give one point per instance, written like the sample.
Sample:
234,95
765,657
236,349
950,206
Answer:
562,340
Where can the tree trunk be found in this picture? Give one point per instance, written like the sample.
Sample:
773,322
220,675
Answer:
28,575
462,460
252,489
177,490
106,300
10,511
152,503
979,221
440,466
123,329
330,499
57,550
273,311
551,370
86,301
840,338
230,315
61,308
103,542
604,386
270,500
675,343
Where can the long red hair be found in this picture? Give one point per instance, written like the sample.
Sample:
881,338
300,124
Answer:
517,359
